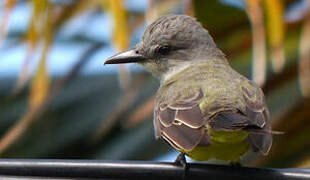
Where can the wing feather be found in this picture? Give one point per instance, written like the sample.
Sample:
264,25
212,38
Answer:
257,112
183,136
191,117
181,122
166,116
254,118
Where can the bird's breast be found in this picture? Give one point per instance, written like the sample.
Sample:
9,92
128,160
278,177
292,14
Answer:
221,151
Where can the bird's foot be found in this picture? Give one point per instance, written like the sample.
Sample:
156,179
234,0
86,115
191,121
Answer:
181,161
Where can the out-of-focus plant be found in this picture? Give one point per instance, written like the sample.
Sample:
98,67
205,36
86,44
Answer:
121,34
120,118
255,14
304,55
7,10
276,32
40,27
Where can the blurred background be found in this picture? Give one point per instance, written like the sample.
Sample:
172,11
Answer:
57,100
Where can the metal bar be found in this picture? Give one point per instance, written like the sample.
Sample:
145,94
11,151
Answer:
140,170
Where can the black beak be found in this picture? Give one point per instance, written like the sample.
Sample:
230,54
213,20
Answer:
129,56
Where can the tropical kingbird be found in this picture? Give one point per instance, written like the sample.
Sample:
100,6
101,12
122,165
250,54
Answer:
203,107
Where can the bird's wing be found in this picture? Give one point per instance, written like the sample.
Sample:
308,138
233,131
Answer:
257,111
181,123
254,118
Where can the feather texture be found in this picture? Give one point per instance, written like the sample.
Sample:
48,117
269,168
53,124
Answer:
184,109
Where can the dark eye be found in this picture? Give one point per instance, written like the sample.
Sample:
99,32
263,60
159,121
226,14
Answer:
164,50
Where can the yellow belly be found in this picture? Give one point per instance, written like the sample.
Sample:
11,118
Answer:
225,145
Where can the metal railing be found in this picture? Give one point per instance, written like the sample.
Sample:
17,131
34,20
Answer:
87,169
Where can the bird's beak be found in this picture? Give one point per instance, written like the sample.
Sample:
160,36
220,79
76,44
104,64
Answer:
129,56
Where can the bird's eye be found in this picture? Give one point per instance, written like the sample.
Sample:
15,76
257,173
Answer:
164,50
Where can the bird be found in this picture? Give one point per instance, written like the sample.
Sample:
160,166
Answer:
203,107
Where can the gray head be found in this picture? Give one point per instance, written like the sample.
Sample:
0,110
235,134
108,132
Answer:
170,43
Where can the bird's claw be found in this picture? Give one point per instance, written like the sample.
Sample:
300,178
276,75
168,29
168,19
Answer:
181,161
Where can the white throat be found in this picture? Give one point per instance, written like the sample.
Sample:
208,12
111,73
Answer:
174,71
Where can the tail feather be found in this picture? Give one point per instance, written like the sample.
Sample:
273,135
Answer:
260,142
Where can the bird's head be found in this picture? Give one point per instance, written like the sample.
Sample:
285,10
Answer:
170,43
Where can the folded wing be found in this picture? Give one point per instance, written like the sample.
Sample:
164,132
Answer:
182,123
